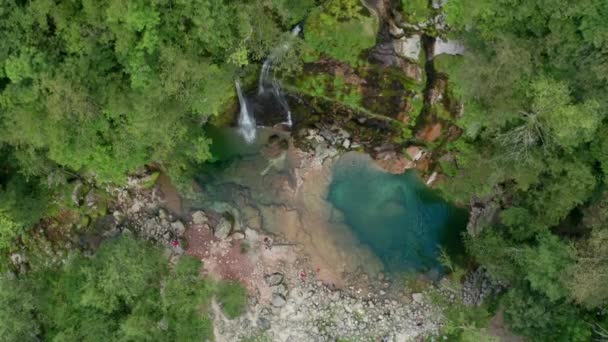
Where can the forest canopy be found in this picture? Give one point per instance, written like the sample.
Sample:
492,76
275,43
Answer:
534,86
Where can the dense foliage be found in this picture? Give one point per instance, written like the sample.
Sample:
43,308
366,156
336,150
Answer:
125,292
536,97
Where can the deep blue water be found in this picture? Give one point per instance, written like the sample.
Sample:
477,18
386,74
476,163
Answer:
404,222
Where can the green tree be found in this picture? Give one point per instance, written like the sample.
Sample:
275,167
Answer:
17,313
340,30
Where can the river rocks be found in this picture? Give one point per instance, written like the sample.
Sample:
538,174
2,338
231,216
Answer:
263,323
326,141
273,279
223,229
417,297
313,312
280,289
408,47
278,300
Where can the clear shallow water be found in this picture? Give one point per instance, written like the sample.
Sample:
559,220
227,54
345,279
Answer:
398,217
404,222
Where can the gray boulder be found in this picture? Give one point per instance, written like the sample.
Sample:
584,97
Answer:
273,279
178,228
223,229
278,300
199,217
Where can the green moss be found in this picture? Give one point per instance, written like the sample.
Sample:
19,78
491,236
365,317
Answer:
417,106
84,221
442,112
150,181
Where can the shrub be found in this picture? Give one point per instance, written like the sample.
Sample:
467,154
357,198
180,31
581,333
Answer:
233,298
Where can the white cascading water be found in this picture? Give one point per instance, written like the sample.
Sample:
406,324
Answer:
265,74
246,120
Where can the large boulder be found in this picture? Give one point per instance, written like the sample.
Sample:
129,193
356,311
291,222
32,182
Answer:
178,228
199,217
408,47
223,229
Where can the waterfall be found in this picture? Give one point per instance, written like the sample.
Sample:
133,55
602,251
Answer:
246,120
266,73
